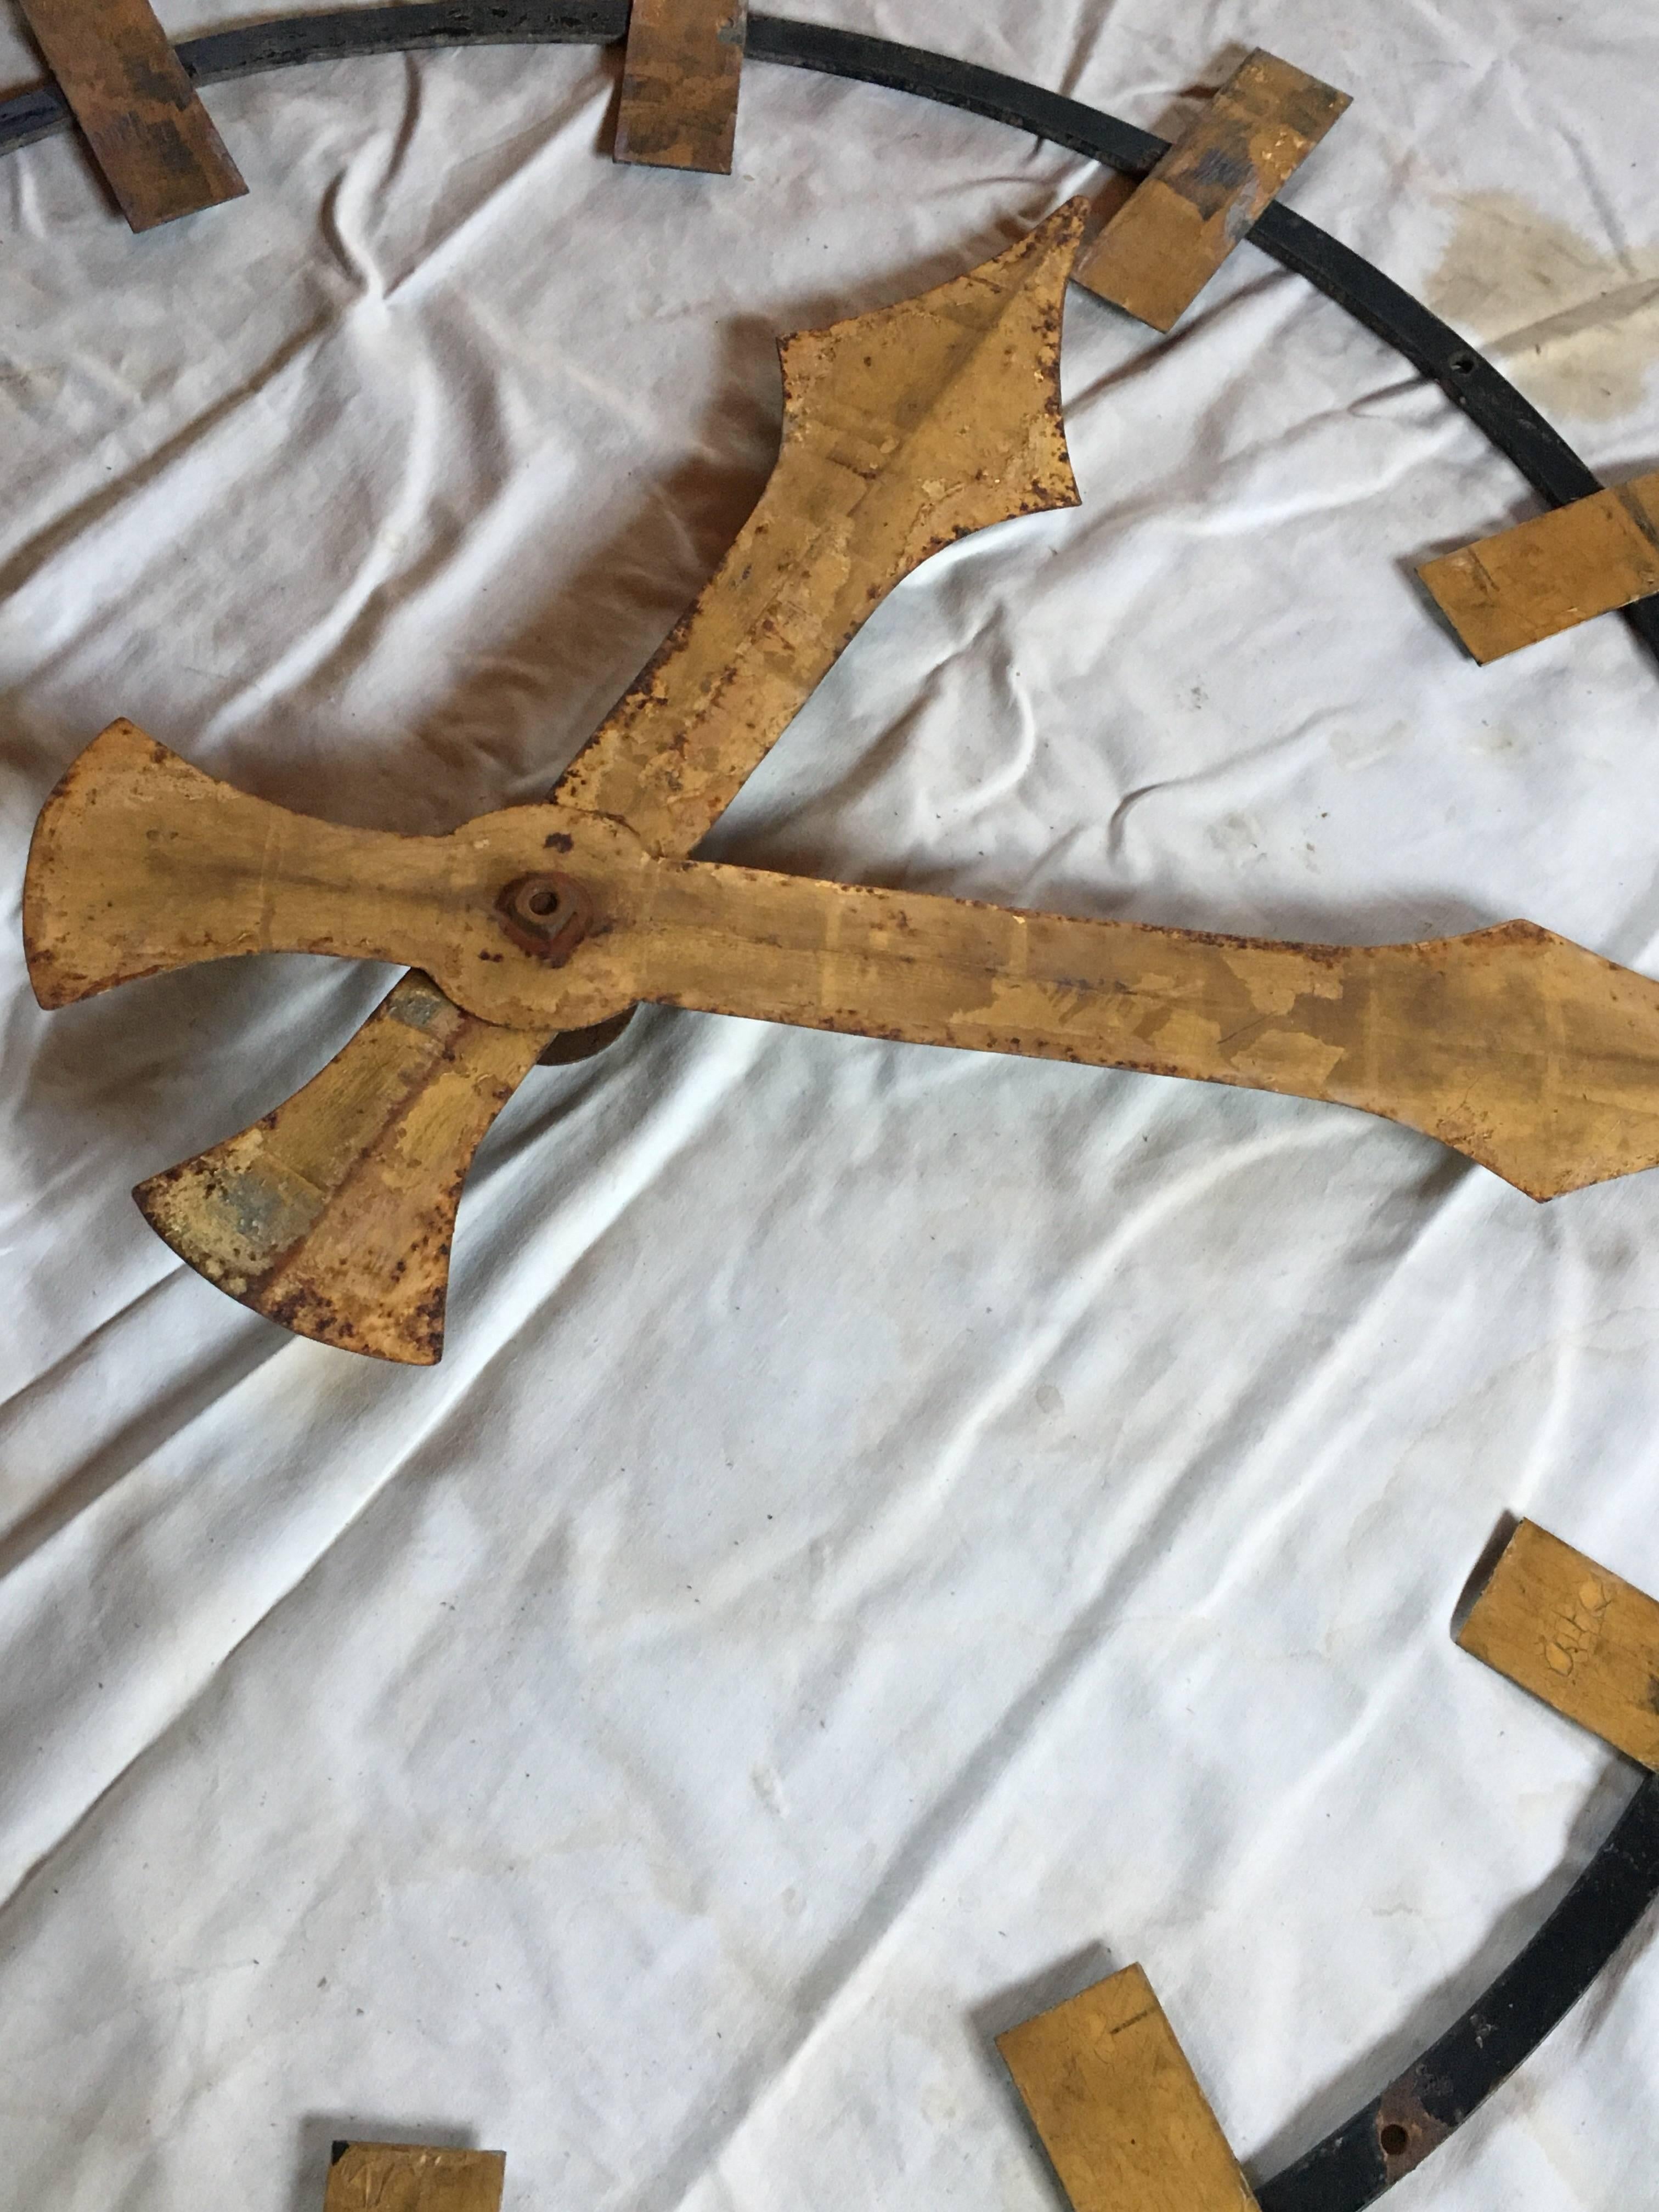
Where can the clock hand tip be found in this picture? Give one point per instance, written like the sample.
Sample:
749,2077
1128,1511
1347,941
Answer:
336,1227
65,878
216,1212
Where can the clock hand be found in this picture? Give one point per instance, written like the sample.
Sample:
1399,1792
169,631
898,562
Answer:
1527,1053
903,430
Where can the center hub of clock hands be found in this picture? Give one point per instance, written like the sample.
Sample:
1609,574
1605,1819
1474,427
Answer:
545,916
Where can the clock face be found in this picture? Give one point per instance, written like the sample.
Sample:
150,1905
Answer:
900,1533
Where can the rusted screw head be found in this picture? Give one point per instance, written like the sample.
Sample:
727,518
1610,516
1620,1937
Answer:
548,915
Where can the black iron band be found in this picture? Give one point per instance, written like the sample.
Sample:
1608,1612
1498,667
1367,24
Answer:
1397,2130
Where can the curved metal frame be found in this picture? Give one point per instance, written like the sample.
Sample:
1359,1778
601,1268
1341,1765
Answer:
1391,2136
1385,2140
1510,422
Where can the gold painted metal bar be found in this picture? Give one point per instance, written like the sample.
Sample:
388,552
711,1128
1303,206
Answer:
1552,572
1576,1636
148,129
1170,237
680,82
1524,1052
414,2178
1118,2107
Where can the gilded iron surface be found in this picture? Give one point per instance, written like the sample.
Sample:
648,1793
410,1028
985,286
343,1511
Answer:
903,431
1119,2109
679,108
1528,1053
1576,1635
1168,239
413,2178
1548,574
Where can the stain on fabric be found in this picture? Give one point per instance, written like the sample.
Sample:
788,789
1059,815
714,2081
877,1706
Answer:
1576,327
32,388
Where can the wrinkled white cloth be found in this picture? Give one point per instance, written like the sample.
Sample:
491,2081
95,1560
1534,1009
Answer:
894,1533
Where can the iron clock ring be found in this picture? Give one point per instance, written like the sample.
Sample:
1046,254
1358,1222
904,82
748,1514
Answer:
1392,2133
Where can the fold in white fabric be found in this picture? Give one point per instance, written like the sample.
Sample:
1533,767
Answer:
895,1534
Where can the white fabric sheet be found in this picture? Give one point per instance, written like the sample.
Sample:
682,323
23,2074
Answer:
895,1534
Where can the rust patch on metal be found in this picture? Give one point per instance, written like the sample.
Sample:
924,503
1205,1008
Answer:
546,915
1406,2130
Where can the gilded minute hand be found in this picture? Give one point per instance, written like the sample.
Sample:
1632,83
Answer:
903,430
1529,1055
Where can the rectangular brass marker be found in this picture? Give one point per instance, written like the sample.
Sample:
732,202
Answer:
149,133
414,2178
1548,574
1575,1636
1174,232
1120,2112
680,80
